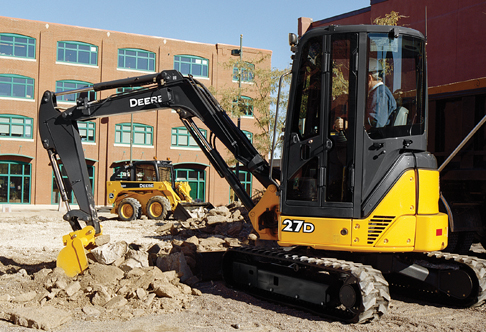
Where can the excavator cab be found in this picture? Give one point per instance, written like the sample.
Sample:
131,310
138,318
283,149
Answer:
355,130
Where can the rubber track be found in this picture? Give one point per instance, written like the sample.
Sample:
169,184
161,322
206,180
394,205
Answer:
478,265
374,288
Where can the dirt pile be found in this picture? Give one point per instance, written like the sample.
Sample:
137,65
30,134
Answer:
224,221
124,280
32,239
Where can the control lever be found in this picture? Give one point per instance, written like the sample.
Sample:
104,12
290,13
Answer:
407,143
376,146
379,154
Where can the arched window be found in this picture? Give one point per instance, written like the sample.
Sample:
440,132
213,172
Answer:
191,65
18,46
77,53
246,105
196,179
15,182
136,59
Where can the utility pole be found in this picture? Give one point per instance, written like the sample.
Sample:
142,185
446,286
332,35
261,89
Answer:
240,53
131,136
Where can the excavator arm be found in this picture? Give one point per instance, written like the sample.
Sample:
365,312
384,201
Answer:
165,90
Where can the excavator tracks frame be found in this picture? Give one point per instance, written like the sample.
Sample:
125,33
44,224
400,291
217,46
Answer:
466,287
332,288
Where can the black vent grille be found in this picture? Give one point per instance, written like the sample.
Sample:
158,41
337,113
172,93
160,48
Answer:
376,226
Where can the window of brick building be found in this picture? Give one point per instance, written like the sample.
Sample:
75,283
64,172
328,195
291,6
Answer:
128,89
196,179
245,178
249,135
191,65
246,106
15,126
67,85
17,46
142,134
181,138
15,182
77,53
56,195
136,59
87,131
246,72
16,86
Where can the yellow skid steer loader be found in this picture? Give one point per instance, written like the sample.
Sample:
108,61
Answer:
148,187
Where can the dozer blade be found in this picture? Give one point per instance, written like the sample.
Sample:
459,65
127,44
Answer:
72,258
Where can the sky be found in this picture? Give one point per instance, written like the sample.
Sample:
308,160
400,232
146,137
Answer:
264,24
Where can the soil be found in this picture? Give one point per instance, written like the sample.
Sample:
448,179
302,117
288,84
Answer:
31,240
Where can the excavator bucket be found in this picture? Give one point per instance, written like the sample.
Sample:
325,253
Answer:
72,258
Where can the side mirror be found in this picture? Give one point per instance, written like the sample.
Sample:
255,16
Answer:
293,40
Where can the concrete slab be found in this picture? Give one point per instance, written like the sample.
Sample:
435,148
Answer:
45,318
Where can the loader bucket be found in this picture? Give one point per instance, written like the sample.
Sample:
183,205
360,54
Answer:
72,258
181,212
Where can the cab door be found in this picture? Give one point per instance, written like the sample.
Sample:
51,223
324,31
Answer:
306,144
319,148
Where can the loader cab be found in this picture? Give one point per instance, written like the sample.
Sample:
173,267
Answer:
149,170
356,119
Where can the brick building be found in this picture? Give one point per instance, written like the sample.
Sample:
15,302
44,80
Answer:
38,56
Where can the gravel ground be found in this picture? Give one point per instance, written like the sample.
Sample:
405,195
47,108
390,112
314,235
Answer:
32,238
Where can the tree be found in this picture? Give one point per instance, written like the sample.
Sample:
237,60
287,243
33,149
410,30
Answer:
262,89
389,19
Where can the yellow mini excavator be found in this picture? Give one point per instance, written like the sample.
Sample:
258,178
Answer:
352,213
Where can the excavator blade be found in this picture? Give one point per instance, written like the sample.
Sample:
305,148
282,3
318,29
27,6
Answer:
72,258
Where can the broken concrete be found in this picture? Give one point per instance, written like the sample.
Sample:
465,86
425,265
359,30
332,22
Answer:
105,274
125,280
116,302
45,318
110,252
25,297
176,262
162,289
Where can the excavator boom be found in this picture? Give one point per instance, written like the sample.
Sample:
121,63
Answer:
165,90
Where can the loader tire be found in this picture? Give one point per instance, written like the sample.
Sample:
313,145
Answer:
129,209
158,207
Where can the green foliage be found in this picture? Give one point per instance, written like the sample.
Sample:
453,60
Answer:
263,93
340,85
389,19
